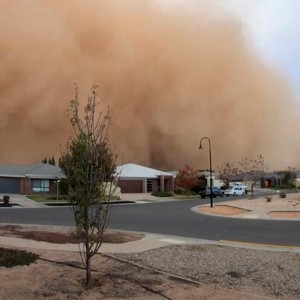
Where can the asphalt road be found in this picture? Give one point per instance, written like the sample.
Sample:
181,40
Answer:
171,218
176,218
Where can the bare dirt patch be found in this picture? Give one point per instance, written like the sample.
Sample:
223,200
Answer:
222,210
272,206
59,275
62,235
285,214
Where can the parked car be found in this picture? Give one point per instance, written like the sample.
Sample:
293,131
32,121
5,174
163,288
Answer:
235,191
240,184
215,192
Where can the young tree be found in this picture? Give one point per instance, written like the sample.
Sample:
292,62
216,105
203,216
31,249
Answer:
227,172
89,164
60,162
253,170
289,177
187,178
53,161
50,161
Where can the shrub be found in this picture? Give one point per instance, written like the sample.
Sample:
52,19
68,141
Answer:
64,187
179,191
282,194
162,194
10,258
269,199
187,178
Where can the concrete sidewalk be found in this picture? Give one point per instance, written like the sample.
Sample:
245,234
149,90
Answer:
148,242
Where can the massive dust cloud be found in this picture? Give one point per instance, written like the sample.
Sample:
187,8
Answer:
172,77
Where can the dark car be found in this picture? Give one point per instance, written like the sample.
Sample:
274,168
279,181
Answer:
215,192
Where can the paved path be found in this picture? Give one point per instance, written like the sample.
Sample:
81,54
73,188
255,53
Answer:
149,242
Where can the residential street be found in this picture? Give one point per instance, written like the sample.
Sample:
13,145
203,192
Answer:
171,218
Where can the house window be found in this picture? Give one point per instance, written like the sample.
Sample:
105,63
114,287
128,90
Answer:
40,186
149,185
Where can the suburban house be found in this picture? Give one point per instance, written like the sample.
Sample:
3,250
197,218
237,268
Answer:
271,180
134,178
30,179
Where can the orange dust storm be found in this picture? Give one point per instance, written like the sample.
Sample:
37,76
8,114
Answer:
172,76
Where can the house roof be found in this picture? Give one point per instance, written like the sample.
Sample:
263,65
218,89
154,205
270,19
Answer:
273,175
40,170
173,172
136,171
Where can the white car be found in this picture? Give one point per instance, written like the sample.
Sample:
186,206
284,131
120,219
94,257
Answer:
240,184
235,191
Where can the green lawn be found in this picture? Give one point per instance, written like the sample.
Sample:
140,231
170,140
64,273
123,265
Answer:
286,190
179,197
63,198
47,198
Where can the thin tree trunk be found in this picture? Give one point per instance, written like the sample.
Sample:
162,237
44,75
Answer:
87,251
252,190
88,269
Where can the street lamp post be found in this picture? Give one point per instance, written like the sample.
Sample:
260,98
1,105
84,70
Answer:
210,169
57,189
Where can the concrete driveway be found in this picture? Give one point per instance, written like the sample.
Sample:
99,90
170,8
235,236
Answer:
22,201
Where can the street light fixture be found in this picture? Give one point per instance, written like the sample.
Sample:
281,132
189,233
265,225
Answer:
210,169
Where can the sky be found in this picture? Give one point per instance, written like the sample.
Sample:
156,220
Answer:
273,26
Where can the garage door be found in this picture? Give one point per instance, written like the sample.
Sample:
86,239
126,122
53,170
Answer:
9,185
131,186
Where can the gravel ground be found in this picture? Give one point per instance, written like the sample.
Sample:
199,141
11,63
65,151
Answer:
275,274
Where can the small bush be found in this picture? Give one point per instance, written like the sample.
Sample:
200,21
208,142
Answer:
184,192
282,194
179,191
269,199
162,194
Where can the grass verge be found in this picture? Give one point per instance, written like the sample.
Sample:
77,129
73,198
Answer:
47,198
